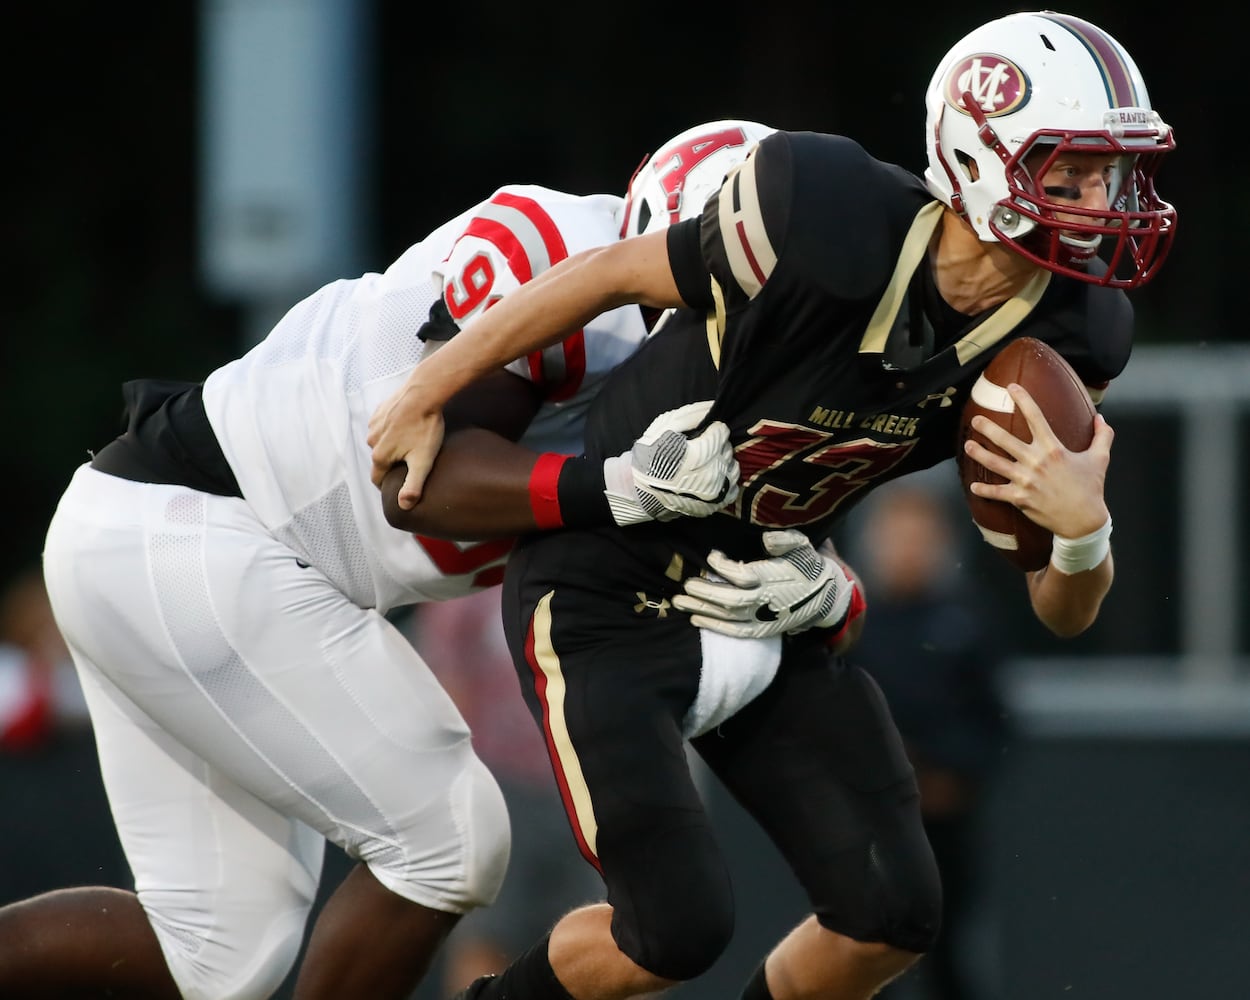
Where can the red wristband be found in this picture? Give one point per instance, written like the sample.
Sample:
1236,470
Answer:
544,491
857,607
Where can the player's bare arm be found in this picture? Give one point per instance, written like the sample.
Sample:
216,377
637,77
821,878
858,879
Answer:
478,487
477,490
483,485
1068,605
1062,491
409,426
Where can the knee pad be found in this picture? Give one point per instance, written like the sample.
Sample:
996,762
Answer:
897,900
673,913
456,861
249,963
487,833
910,916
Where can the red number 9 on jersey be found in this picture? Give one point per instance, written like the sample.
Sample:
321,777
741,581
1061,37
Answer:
470,290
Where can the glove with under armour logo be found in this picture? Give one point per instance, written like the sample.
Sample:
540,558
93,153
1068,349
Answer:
796,589
668,474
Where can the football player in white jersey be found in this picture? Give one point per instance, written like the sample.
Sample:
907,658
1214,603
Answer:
221,572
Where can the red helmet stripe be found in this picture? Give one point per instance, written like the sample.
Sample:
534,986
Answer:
1108,56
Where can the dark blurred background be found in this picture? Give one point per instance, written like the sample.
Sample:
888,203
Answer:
1117,837
104,126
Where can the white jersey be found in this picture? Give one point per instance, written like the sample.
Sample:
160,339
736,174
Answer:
292,414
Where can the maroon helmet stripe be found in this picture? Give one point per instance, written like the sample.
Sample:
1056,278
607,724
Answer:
1108,55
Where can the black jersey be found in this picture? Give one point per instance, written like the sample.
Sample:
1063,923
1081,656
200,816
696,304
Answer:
819,331
168,439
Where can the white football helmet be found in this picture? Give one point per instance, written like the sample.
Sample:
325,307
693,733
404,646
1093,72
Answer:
1042,78
674,182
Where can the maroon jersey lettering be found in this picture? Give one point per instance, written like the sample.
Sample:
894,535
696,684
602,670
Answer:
818,475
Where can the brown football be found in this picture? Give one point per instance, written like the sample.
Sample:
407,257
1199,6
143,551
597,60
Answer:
1066,404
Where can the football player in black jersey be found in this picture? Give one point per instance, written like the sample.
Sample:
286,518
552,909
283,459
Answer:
839,311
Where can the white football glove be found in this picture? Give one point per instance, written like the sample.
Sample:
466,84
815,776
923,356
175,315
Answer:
796,589
667,474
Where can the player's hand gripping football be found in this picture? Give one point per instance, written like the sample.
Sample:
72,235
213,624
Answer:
797,588
1059,489
669,474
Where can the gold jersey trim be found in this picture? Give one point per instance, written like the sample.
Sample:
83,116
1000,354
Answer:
745,238
715,323
985,334
548,661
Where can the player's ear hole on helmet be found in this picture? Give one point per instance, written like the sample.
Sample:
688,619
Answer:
971,171
644,216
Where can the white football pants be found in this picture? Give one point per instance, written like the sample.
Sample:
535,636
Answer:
244,709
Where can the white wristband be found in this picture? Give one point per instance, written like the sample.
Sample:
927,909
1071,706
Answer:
1076,555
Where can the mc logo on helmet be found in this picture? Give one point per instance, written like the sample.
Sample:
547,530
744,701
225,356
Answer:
997,85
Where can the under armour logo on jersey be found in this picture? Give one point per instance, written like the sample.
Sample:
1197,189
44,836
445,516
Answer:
996,85
644,604
943,398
